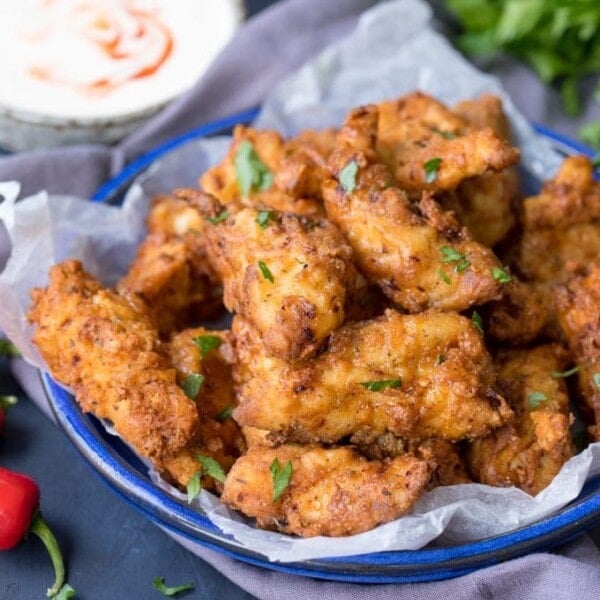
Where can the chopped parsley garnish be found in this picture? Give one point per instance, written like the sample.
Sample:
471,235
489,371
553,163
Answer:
536,398
219,218
499,274
348,176
477,321
206,343
193,486
165,590
444,277
449,135
281,477
192,385
264,216
441,359
596,380
265,271
211,467
251,172
432,167
560,374
382,384
225,414
7,348
451,255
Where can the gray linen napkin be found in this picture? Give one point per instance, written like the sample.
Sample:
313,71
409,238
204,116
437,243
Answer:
265,50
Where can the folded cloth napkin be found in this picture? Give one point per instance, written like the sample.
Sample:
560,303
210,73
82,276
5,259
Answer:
265,50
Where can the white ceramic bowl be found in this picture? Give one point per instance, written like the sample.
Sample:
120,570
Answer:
54,59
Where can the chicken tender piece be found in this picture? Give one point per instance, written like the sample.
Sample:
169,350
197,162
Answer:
522,314
450,466
288,276
415,376
331,492
562,224
530,450
218,435
577,305
485,111
290,175
418,254
97,343
415,129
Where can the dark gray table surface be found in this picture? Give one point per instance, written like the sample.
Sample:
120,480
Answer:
111,551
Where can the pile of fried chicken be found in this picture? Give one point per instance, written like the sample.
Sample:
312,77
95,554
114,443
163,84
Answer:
402,319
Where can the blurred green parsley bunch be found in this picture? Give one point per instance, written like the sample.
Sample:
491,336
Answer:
560,39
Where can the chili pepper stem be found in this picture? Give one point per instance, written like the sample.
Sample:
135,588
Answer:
40,528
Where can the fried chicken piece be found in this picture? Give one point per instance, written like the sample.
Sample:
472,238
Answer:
577,305
218,435
530,450
107,351
332,492
417,253
562,224
291,171
289,278
416,129
484,111
522,314
416,376
450,466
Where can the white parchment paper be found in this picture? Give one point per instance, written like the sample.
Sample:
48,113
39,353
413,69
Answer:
393,51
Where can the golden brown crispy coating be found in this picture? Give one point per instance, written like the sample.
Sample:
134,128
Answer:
577,305
530,450
161,276
289,278
415,129
297,167
440,382
98,344
399,245
484,111
521,315
218,435
562,224
331,492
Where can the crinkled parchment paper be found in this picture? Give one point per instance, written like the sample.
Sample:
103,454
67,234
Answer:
393,51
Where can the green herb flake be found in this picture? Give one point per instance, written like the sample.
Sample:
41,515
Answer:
596,380
281,477
265,271
561,374
219,218
206,343
444,277
451,255
66,592
348,176
536,398
477,321
193,486
448,135
431,168
441,359
192,385
500,275
225,414
211,467
382,384
251,172
165,590
264,216
7,401
7,348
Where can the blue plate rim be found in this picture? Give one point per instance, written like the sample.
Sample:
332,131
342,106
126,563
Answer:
426,564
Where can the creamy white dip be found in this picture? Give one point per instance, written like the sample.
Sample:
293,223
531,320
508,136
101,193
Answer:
103,58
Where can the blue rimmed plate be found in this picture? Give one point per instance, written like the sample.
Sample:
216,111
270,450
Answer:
114,462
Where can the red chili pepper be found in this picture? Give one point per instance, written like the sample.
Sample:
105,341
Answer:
5,403
19,515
